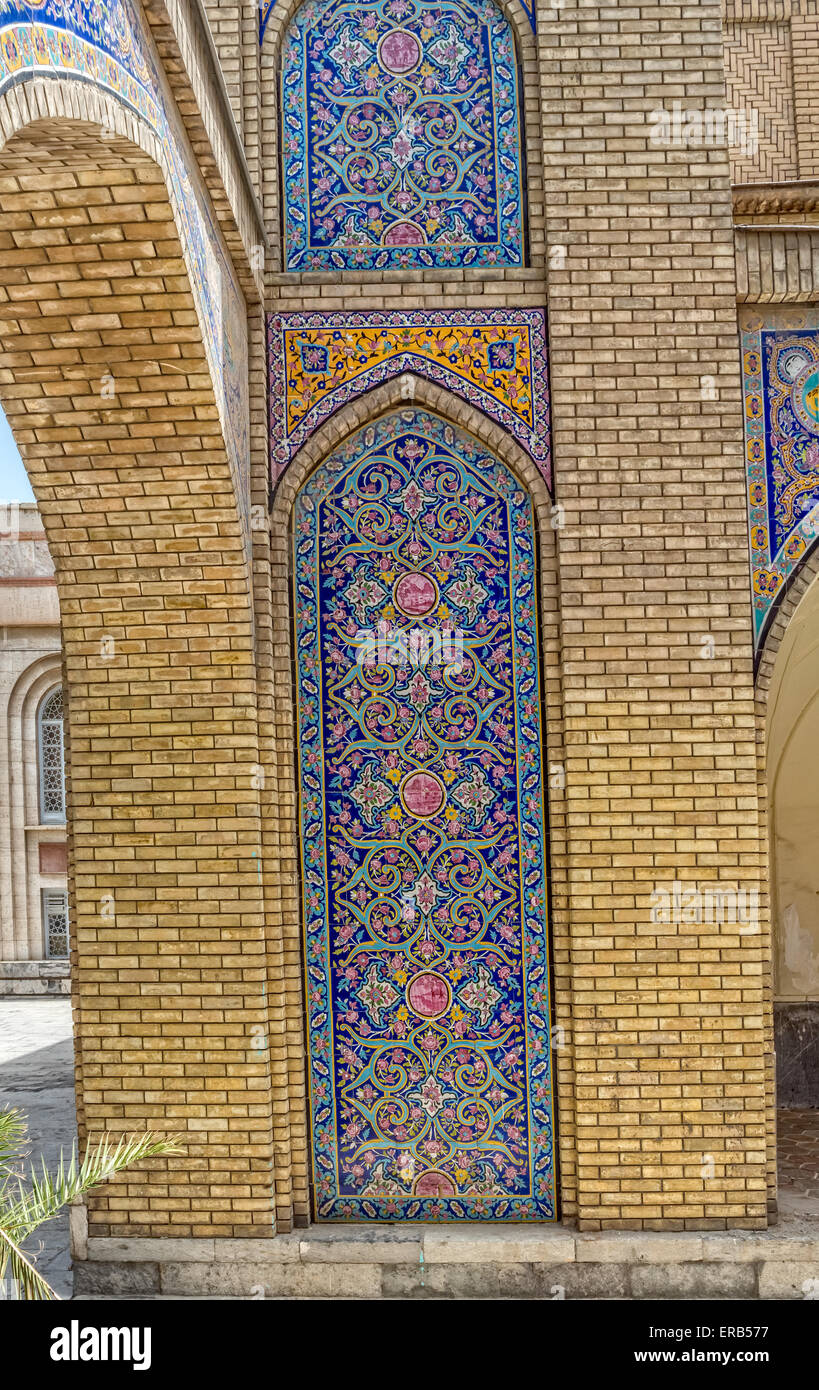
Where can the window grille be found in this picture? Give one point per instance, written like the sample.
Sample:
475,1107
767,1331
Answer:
51,755
55,923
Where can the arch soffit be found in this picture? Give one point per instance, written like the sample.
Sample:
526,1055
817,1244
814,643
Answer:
48,107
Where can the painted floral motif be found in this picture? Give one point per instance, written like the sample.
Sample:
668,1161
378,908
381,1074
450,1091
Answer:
106,44
495,359
376,995
422,820
480,994
401,136
781,377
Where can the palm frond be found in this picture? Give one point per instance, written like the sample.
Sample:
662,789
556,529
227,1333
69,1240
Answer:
47,1193
30,1285
13,1133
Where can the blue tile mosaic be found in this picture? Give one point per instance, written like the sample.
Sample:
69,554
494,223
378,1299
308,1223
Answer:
401,136
423,831
780,359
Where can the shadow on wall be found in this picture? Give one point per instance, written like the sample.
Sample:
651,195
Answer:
793,773
797,1055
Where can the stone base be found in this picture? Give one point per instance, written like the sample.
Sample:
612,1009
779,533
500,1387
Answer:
493,1262
34,977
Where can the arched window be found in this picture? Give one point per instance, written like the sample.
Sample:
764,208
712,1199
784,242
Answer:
51,758
401,136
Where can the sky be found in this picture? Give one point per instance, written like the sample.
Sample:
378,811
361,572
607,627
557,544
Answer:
14,483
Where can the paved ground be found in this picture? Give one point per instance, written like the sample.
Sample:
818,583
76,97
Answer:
37,1077
797,1133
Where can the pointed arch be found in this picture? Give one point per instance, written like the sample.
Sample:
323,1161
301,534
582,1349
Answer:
107,383
408,392
415,761
777,722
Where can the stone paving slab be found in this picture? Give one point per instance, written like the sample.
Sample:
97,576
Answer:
797,1152
37,1077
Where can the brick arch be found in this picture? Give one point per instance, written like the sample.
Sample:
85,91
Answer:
766,665
531,138
408,391
276,17
775,631
105,381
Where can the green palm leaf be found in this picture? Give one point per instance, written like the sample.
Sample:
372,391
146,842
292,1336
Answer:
30,1284
26,1206
13,1130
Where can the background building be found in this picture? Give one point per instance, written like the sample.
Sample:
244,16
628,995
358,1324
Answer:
33,857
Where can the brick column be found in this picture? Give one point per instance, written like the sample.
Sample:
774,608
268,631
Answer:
105,382
668,1018
805,50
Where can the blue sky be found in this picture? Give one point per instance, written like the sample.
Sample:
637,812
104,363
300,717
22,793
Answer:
14,483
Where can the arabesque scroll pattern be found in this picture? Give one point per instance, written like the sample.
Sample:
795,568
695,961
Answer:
423,836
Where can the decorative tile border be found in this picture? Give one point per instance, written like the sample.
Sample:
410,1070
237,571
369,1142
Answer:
108,47
780,365
266,8
494,359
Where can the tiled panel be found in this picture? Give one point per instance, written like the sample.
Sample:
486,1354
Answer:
495,359
422,819
401,137
780,359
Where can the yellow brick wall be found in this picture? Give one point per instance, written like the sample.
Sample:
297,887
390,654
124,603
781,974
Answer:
182,742
805,47
772,70
669,1025
661,1079
104,379
225,21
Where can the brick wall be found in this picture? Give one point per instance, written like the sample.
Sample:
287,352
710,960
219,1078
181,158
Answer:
772,70
669,1024
661,1079
105,382
226,27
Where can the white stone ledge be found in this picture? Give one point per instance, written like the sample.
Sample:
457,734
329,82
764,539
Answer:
34,969
498,1244
791,1244
636,1247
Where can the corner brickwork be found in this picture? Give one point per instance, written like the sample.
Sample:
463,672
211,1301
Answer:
669,1021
